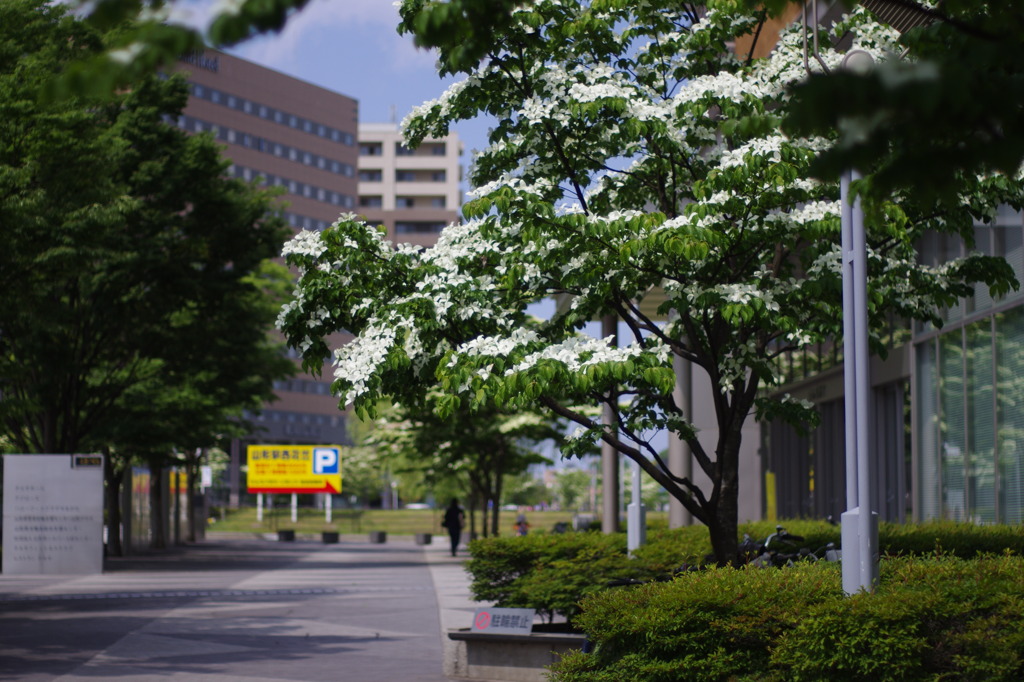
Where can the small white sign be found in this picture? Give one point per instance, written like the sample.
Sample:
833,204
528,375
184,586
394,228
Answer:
53,514
503,621
205,476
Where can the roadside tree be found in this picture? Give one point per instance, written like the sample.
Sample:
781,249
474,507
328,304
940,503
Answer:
479,449
631,173
139,290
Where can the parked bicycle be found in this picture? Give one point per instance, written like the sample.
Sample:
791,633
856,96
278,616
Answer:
782,548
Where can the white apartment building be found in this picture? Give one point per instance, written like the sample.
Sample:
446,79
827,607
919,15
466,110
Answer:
415,193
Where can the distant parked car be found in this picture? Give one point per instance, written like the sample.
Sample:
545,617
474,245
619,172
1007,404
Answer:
417,505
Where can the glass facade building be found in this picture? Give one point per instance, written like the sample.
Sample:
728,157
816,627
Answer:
969,393
947,417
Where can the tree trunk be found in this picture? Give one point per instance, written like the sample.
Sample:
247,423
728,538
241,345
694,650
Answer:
497,486
114,480
724,523
478,493
157,507
471,508
192,463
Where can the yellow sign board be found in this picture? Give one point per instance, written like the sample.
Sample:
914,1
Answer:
294,468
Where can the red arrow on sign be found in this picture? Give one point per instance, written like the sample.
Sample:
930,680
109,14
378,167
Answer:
326,488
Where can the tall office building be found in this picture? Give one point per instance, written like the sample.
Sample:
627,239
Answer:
300,137
413,192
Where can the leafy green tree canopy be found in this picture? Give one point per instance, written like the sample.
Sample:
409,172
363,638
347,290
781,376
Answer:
625,178
478,448
953,106
135,267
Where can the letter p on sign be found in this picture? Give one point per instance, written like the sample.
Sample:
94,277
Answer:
325,460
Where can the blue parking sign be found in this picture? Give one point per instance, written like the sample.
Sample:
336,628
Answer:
326,460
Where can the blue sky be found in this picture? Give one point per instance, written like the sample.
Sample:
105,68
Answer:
352,47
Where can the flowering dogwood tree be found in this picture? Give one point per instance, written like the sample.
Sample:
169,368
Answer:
635,158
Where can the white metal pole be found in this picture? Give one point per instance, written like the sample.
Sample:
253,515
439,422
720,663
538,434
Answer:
609,455
295,507
850,525
867,525
259,507
328,507
849,342
680,461
859,525
636,521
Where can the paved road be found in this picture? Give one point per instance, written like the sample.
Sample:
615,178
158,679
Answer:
240,609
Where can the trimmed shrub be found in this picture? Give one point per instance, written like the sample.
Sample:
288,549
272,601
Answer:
707,625
548,573
965,540
666,550
934,618
552,572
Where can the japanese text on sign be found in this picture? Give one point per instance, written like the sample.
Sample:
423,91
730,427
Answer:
294,468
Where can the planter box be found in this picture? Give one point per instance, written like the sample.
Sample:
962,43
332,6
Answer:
506,658
286,536
330,537
378,537
424,538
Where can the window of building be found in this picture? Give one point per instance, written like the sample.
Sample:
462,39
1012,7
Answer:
437,202
405,176
404,202
263,111
370,149
418,227
438,176
402,150
370,175
438,149
371,201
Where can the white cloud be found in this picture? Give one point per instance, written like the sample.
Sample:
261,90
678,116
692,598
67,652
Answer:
371,23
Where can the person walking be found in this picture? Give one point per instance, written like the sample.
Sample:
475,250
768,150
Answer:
454,520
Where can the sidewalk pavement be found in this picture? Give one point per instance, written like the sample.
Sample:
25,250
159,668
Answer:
242,607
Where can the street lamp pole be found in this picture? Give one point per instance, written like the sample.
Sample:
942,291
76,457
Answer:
859,521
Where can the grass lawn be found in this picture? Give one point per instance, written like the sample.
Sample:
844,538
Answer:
395,522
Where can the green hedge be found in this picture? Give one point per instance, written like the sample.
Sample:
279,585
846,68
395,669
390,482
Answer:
546,572
938,618
552,572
